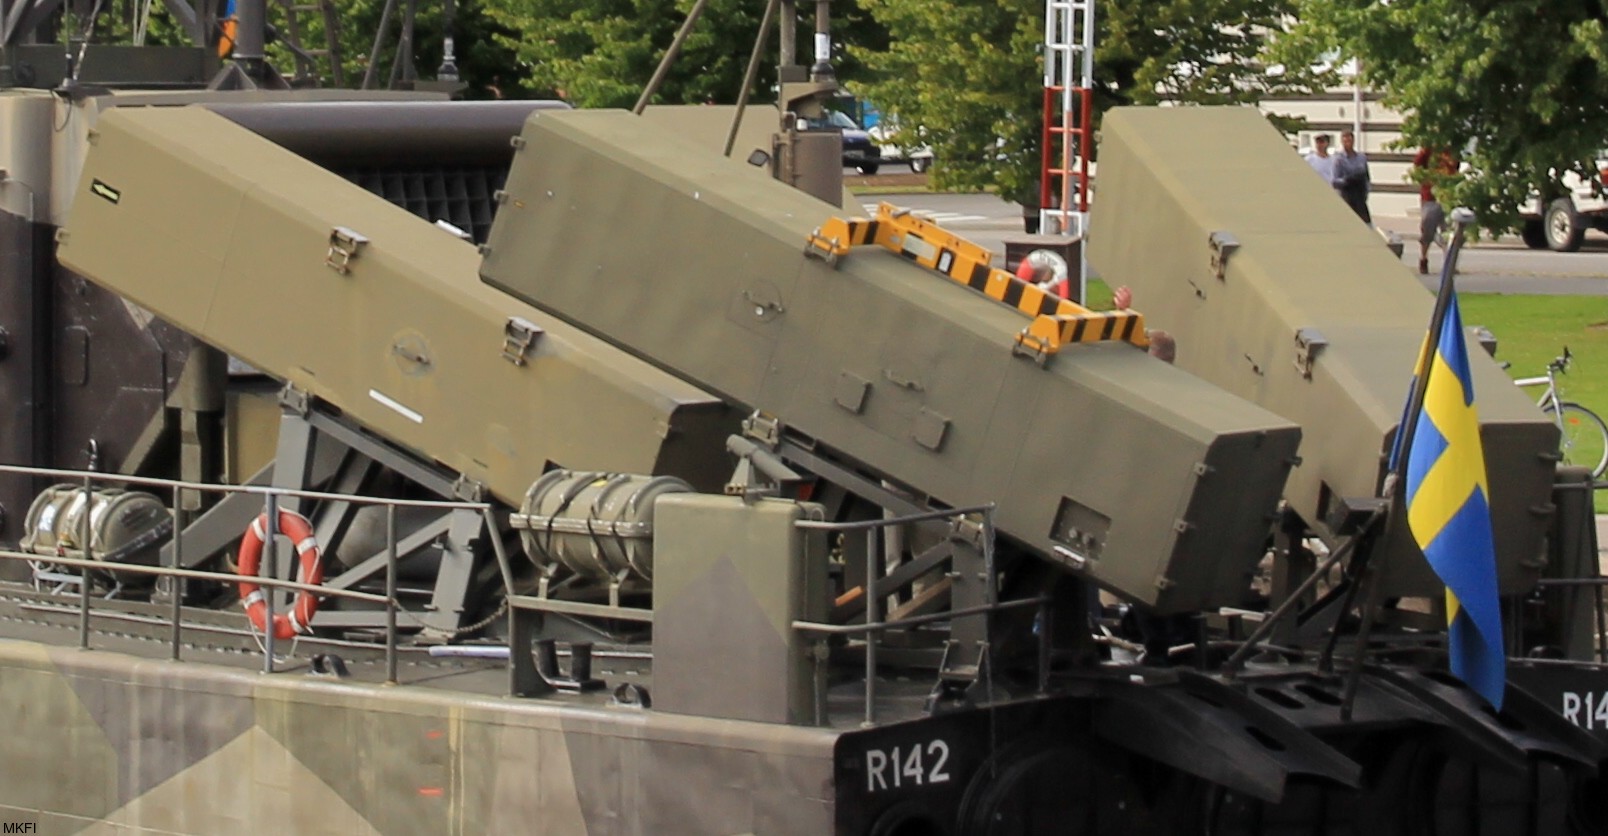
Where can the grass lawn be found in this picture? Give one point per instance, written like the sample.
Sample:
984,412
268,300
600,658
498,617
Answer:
1531,330
1099,295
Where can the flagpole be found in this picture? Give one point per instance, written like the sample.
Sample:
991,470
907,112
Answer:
1401,452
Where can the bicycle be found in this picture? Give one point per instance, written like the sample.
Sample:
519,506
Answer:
1584,437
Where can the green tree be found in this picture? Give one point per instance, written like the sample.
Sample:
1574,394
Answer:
970,75
601,53
967,75
1517,85
485,62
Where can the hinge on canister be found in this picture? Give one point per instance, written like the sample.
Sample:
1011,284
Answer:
518,337
967,530
1308,343
296,400
1223,245
468,490
344,245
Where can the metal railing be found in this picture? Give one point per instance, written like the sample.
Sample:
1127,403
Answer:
271,499
872,627
1595,584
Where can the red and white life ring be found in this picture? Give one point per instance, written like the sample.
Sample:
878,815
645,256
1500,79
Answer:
1048,270
300,531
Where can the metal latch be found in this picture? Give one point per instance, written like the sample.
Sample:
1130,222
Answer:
1308,344
296,400
518,337
1223,245
765,429
468,489
344,245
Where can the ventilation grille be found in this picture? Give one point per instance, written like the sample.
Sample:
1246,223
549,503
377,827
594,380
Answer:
460,196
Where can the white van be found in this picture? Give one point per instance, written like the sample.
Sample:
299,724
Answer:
1561,223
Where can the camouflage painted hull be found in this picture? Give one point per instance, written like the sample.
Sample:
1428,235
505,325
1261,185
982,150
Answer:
116,743
120,744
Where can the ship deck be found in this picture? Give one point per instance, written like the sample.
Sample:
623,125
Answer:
224,638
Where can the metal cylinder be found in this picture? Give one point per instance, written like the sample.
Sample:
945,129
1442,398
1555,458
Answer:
381,133
598,525
124,526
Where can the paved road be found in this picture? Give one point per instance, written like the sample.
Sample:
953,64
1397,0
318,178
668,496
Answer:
1506,265
1501,266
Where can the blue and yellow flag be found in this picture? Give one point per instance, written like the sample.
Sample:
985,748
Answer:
1448,509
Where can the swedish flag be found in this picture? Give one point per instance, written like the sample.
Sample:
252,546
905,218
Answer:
1447,503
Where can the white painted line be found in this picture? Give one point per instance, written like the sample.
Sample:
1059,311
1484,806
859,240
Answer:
397,407
935,217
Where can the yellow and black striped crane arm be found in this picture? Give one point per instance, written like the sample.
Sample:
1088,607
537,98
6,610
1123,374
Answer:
1056,321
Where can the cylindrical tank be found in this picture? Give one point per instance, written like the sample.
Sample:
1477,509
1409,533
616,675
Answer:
124,526
599,525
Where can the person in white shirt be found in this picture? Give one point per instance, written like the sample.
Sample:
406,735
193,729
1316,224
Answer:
1320,159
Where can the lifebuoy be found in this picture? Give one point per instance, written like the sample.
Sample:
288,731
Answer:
1048,270
300,531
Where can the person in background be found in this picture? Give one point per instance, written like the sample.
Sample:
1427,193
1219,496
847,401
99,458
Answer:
1162,345
1320,159
1351,176
1429,165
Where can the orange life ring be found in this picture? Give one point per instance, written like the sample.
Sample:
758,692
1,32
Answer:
300,531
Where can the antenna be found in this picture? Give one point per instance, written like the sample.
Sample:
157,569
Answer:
75,63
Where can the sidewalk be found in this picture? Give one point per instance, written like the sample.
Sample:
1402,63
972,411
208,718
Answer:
1407,227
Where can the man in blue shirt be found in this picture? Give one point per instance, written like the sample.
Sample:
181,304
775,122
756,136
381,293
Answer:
1351,176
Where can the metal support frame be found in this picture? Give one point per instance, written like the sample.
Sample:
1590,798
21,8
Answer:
88,548
1293,563
22,18
533,666
456,533
971,574
307,69
173,570
218,528
420,538
460,555
403,72
270,543
957,681
970,644
319,452
353,477
1367,529
1069,117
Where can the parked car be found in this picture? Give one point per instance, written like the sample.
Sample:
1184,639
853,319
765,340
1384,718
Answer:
918,157
859,152
1560,224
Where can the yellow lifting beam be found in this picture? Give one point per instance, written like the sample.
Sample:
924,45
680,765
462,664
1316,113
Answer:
1056,322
